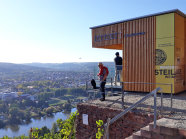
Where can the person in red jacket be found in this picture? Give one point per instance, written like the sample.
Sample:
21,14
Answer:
103,73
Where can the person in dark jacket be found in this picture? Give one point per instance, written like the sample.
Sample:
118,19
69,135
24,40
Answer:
118,67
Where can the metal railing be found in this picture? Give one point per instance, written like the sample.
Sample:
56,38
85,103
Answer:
122,90
167,84
154,92
109,122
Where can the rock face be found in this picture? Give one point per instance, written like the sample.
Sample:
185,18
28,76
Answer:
123,127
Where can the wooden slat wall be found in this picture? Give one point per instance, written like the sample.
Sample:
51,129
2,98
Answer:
185,52
139,54
110,43
179,53
138,50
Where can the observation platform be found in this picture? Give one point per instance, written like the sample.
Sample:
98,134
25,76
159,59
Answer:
167,104
177,111
135,119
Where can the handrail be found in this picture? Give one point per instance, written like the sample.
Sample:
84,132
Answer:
169,84
154,92
121,82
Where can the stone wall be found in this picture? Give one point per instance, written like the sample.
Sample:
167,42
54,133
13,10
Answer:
122,128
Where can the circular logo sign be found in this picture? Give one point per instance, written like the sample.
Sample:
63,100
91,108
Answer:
160,56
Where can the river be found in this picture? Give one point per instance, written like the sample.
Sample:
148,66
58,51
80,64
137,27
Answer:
14,131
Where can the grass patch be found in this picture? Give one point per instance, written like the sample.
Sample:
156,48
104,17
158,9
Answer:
81,97
68,95
56,101
33,114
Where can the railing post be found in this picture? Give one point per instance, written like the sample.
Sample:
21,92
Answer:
155,108
123,105
111,86
161,102
171,97
106,134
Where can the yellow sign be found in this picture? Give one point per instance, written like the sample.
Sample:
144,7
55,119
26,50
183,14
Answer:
165,52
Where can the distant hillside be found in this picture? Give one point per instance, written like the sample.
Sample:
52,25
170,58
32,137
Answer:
10,67
84,66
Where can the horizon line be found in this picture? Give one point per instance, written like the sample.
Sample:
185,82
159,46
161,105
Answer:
54,62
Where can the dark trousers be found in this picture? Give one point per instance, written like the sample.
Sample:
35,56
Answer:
102,86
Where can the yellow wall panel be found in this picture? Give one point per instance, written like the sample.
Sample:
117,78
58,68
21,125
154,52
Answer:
165,26
165,51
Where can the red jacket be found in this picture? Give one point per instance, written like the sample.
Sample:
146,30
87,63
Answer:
103,70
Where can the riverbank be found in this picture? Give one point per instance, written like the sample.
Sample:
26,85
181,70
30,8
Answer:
13,131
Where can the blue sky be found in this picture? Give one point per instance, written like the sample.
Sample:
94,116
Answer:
57,31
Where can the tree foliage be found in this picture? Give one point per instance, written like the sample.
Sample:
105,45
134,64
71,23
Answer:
66,129
54,128
100,131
